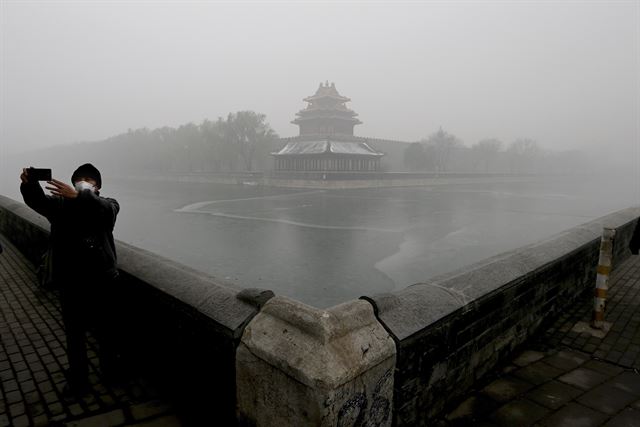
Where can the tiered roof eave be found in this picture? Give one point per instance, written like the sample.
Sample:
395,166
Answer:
341,137
314,108
353,120
318,97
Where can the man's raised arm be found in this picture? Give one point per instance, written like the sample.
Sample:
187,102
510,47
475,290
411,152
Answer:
106,208
34,196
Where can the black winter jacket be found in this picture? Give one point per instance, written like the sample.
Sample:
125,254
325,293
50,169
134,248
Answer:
634,244
81,231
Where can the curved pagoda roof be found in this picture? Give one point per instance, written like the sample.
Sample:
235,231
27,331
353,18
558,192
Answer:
327,146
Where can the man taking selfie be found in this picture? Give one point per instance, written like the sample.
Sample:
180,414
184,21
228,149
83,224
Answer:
83,262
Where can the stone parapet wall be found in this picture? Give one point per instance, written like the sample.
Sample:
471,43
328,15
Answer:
450,331
298,365
28,231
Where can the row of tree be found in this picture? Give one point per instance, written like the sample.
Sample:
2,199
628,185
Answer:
240,142
443,152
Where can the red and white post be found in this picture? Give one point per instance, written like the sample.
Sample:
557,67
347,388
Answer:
602,278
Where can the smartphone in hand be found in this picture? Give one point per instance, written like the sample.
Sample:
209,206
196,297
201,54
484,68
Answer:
38,174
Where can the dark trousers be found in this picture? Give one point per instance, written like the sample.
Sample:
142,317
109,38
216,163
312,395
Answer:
634,244
89,305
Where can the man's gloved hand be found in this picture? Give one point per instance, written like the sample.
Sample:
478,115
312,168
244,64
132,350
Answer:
59,188
24,176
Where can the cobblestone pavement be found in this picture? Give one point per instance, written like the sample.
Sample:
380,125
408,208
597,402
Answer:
32,361
571,375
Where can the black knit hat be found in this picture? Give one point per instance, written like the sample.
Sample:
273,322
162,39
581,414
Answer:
87,171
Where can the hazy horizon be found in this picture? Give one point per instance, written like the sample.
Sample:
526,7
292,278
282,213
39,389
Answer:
564,74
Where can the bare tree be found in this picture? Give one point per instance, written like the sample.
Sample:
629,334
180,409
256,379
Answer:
486,151
244,131
443,145
522,154
213,135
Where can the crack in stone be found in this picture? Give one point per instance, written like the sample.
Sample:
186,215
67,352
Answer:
458,295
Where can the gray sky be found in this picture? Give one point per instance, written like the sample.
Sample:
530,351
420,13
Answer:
563,73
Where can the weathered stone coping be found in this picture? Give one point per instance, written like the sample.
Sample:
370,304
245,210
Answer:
230,307
299,365
320,348
414,308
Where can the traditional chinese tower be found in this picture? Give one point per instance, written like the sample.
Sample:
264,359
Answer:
326,142
326,113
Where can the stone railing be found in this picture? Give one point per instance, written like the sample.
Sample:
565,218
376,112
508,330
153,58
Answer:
240,356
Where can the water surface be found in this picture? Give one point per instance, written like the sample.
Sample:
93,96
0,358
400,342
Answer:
326,247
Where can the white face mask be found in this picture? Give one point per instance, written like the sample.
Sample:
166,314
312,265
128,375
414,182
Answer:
84,185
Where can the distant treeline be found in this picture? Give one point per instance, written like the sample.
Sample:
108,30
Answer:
240,142
444,152
244,140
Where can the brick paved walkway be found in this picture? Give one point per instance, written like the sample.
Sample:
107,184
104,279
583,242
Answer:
622,344
569,377
32,360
